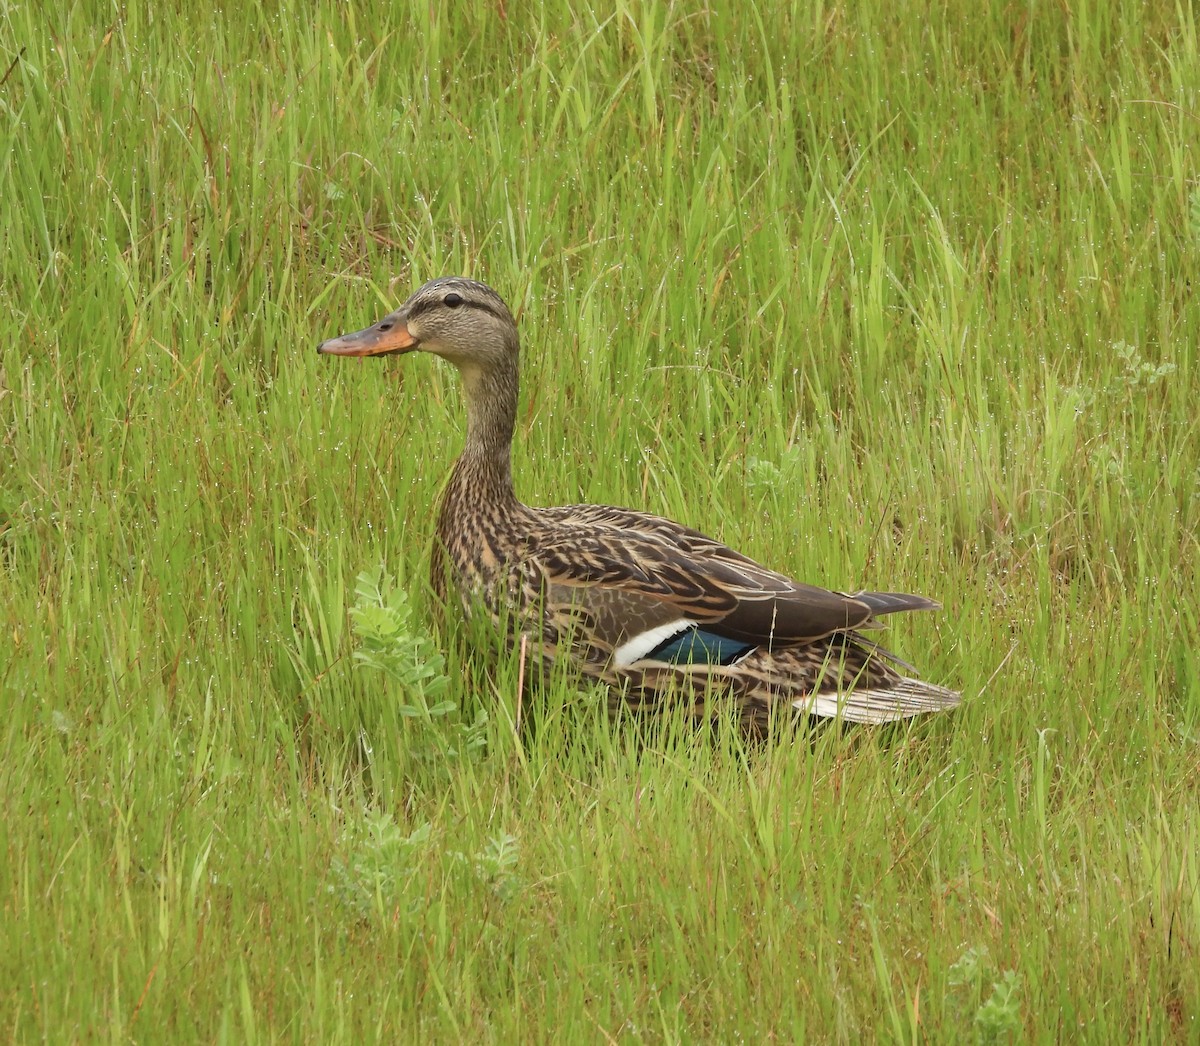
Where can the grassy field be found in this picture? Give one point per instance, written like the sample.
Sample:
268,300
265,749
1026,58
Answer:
888,295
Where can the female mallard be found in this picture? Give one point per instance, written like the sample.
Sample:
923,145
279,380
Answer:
651,608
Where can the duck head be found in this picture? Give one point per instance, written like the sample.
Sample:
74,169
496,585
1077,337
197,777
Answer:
461,320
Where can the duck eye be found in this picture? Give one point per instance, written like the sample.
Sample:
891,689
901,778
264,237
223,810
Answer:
452,300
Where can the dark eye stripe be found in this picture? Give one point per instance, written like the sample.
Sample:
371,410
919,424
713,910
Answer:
421,306
426,304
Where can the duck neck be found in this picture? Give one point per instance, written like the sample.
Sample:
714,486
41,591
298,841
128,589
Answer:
483,472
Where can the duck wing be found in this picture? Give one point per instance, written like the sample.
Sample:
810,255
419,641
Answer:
650,585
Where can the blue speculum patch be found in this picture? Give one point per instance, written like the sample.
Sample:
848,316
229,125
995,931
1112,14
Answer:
697,647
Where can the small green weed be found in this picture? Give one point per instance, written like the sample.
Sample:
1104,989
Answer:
1000,1013
374,865
494,865
389,642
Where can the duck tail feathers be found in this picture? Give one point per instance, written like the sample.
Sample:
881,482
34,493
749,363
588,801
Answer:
894,602
907,697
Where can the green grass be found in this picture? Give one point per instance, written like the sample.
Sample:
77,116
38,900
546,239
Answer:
887,295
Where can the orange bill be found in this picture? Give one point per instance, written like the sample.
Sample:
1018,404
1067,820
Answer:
388,335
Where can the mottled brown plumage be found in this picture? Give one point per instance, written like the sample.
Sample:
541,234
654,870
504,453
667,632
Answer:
653,609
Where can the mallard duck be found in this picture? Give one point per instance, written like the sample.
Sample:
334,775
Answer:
657,611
